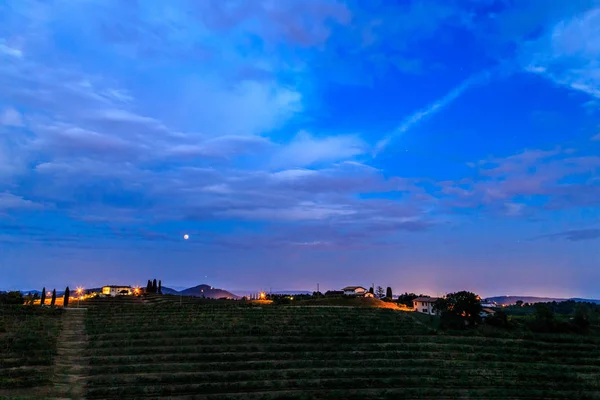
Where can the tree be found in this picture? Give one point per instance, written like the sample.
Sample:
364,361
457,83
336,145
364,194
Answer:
379,292
14,297
371,290
149,286
407,299
159,287
519,303
43,296
544,313
388,293
53,301
67,295
154,286
582,316
498,319
460,305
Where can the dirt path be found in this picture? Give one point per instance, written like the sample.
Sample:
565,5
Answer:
70,368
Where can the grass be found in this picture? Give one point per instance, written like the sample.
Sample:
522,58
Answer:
234,350
28,338
242,350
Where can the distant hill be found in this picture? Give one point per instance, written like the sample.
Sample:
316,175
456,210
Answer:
507,300
243,292
296,292
206,291
166,290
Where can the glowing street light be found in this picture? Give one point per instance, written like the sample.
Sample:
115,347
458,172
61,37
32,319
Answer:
79,293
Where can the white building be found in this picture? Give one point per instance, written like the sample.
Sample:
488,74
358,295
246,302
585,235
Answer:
113,290
355,291
425,305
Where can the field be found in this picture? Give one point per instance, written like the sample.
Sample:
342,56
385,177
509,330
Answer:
244,352
160,349
28,338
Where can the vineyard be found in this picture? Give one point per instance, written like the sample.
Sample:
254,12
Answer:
158,348
27,347
242,352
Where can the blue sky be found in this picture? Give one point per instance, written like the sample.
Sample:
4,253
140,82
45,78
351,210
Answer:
428,146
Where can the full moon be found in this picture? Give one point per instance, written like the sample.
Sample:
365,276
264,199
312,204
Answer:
186,236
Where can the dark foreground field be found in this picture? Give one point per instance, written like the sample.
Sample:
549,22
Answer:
28,339
232,351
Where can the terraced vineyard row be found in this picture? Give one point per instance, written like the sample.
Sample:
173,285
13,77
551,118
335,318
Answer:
240,352
27,346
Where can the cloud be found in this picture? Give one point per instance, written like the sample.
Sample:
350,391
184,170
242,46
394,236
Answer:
597,137
11,117
305,150
223,146
9,201
10,51
302,212
431,109
569,53
303,23
533,180
574,235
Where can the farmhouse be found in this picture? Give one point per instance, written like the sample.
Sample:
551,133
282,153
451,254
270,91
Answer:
354,291
425,305
486,312
114,290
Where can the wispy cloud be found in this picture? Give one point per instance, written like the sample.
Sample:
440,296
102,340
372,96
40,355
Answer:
568,53
11,117
574,235
431,109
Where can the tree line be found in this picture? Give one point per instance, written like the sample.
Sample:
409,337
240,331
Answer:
154,287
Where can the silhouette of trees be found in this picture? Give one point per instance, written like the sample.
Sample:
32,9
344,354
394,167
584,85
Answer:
43,296
160,287
53,301
519,303
67,295
371,290
379,293
388,293
149,286
14,297
154,286
457,307
407,299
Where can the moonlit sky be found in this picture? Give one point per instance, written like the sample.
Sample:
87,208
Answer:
428,146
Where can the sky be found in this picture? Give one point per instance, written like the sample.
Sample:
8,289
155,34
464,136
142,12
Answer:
430,146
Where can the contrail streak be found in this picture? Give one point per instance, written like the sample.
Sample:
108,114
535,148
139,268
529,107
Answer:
428,111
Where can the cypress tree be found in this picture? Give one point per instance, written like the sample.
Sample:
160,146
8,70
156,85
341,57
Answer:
388,293
154,286
66,299
371,290
159,287
43,296
53,298
149,287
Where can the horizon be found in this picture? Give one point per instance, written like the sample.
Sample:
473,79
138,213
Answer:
242,292
429,146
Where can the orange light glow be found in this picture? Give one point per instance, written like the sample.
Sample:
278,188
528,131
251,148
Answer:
263,295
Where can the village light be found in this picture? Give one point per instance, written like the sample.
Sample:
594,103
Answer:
79,292
262,295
